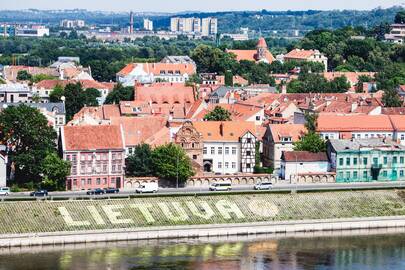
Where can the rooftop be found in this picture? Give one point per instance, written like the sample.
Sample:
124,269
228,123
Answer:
304,156
365,144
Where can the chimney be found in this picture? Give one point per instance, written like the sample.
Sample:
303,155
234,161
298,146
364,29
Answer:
221,129
131,22
354,106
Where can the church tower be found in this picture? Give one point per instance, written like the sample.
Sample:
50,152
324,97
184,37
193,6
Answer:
261,49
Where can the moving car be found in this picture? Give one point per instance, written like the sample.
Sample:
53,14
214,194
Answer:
111,190
221,186
148,187
5,191
263,186
97,191
39,193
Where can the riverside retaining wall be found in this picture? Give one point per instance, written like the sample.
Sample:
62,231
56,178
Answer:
33,222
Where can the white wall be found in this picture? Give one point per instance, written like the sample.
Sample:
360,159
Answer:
291,168
220,160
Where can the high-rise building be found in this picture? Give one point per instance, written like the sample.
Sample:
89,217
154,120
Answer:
131,22
209,26
206,26
72,23
148,24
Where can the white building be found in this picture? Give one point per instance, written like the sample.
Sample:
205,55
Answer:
397,34
148,24
34,31
206,26
301,162
228,147
72,24
209,26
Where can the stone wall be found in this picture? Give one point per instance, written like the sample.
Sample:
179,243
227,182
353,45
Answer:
313,178
204,181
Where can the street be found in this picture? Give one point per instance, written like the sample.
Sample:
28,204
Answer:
198,190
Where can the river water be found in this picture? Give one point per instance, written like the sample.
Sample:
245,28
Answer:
355,250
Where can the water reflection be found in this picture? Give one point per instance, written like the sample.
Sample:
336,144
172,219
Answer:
353,251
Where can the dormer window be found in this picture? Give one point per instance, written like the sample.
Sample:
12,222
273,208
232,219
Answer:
286,139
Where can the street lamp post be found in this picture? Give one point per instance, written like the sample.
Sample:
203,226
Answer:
177,171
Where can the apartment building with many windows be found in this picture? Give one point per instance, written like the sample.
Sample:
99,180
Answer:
364,160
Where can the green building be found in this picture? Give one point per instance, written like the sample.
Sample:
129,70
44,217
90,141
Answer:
365,160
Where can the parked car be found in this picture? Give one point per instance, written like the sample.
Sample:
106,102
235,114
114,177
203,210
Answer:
221,186
39,193
263,186
5,191
97,191
111,190
148,187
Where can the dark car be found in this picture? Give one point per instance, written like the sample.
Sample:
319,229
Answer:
39,193
97,191
111,190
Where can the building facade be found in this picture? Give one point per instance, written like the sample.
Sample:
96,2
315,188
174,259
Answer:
96,154
365,160
298,163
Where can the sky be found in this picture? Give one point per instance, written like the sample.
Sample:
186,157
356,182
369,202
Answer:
197,5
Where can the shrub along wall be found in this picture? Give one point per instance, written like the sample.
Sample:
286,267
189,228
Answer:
51,216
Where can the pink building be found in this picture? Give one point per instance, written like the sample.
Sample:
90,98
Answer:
97,155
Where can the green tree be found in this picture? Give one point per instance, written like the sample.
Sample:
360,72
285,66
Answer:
140,162
29,139
170,162
218,114
400,17
228,78
23,75
311,142
54,171
120,93
391,98
90,96
74,99
311,121
56,94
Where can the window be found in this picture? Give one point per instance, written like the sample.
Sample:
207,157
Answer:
401,160
341,161
401,173
258,118
226,150
355,161
249,140
340,175
105,181
365,161
248,165
248,153
385,160
112,181
402,137
83,182
98,181
233,165
347,175
355,175
89,181
347,161
205,150
233,150
394,160
385,173
219,165
212,150
220,150
75,182
226,165
194,157
365,174
375,161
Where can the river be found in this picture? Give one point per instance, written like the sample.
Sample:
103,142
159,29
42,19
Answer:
362,250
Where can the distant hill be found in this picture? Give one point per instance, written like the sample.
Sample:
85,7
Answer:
228,21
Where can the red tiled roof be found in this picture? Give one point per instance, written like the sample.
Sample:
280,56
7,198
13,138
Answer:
303,156
349,123
231,130
101,137
158,68
139,129
261,43
239,111
299,54
398,121
50,84
295,131
165,93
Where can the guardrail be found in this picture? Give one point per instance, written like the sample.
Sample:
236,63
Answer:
292,189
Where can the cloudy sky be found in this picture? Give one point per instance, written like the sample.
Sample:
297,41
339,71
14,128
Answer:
200,5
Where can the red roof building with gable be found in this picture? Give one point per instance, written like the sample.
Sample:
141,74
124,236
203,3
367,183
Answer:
261,54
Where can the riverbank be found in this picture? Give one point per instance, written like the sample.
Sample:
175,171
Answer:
82,221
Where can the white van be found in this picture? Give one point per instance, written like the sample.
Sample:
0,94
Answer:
147,187
221,186
4,191
263,186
